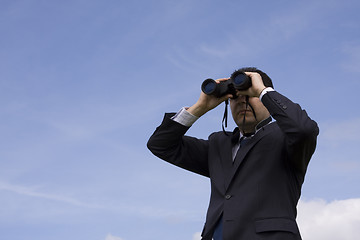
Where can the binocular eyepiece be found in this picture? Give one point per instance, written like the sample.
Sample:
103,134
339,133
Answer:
238,81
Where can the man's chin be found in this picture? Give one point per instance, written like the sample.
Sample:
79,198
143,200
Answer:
247,123
247,114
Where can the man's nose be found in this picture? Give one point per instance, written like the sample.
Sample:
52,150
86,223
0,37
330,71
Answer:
241,98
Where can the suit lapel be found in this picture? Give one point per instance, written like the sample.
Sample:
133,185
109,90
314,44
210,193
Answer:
241,155
226,157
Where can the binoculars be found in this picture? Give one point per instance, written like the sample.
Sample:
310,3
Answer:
238,81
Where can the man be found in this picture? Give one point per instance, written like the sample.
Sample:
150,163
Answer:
257,171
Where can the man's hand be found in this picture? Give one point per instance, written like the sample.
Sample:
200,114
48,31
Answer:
257,85
207,102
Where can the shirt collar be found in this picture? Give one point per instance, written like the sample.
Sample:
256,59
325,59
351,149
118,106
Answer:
237,134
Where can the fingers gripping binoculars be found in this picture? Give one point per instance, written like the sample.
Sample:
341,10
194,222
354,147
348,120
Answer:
238,81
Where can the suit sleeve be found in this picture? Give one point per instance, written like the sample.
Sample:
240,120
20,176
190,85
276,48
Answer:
169,143
300,130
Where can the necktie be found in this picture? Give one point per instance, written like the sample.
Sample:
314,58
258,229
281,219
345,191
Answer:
243,141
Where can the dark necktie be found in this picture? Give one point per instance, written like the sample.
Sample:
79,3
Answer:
241,143
244,140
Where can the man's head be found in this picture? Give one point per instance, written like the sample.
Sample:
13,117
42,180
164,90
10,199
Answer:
248,113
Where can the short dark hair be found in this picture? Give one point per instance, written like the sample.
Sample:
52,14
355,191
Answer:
266,79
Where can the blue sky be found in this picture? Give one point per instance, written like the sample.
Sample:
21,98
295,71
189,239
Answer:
83,84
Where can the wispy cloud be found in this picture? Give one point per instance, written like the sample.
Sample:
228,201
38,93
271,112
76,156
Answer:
122,207
32,192
352,57
249,41
185,60
348,129
239,44
112,237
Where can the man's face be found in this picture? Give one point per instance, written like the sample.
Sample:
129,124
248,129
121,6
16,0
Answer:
239,110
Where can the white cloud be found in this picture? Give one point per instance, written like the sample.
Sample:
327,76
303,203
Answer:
197,236
339,219
111,237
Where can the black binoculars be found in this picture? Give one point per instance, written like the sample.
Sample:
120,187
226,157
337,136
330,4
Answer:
238,81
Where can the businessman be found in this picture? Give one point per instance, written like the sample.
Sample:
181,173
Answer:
256,171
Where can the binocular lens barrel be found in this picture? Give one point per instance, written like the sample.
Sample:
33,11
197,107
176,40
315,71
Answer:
209,86
239,79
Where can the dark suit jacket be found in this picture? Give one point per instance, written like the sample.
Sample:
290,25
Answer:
258,193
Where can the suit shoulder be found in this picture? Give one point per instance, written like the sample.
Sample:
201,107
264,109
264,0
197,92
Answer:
220,137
